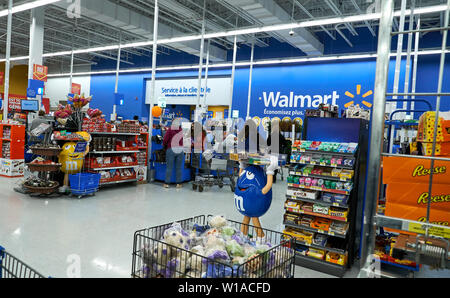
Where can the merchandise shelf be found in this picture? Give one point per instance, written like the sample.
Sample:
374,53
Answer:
336,191
112,152
294,198
323,152
328,249
320,265
117,182
321,215
114,168
309,229
322,164
293,173
115,133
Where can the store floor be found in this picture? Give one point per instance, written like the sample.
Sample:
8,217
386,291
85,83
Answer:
51,234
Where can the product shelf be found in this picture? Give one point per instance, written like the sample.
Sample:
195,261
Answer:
323,152
322,164
115,133
321,215
293,173
294,198
114,168
117,182
309,229
113,152
320,265
328,249
336,191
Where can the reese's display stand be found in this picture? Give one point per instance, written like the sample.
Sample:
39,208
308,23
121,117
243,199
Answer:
325,195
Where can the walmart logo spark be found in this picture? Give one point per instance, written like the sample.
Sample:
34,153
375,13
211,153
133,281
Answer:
358,92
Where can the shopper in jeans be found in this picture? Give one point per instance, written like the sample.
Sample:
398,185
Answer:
173,144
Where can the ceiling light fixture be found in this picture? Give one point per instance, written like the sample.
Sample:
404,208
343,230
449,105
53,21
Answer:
247,63
27,6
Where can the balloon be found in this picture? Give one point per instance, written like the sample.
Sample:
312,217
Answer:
156,112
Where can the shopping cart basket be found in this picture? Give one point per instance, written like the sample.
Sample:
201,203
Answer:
219,171
12,267
151,256
83,184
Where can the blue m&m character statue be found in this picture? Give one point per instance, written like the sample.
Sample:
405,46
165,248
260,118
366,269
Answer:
253,194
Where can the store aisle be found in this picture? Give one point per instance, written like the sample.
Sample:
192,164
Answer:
52,234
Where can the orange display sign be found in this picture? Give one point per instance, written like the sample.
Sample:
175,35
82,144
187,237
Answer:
437,217
407,191
40,72
2,78
76,89
414,170
417,195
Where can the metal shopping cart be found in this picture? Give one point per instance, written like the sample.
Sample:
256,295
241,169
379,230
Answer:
219,171
153,258
12,267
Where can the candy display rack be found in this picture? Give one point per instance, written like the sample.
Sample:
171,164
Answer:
323,197
12,143
114,156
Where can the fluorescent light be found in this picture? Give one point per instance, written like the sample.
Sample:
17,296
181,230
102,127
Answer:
27,6
98,49
247,63
32,5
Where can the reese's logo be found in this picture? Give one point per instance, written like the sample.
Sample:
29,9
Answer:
440,223
420,171
423,199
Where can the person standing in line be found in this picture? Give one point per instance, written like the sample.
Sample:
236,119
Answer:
173,144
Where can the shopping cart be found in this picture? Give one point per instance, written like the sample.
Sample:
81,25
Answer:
12,267
84,184
151,256
219,171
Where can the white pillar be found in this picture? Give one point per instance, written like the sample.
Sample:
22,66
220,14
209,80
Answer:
36,41
7,63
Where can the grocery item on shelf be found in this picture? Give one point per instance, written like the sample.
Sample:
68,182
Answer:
316,253
338,227
321,223
325,147
336,258
320,239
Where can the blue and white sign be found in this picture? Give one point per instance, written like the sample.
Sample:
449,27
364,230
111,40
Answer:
183,91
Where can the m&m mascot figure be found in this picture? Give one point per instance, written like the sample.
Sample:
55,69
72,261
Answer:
253,194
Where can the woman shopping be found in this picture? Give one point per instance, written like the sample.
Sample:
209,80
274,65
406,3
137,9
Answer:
173,144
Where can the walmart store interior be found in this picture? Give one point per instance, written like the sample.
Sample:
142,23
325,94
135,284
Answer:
224,138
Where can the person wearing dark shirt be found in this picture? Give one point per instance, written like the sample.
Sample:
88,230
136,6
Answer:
173,144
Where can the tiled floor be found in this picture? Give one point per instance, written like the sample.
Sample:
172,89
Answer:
52,234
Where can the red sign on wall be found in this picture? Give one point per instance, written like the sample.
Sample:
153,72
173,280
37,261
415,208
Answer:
76,89
40,72
14,102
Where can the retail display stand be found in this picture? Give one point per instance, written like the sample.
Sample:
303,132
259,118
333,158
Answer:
12,142
324,194
114,156
141,171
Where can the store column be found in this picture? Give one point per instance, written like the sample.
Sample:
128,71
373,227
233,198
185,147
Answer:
36,41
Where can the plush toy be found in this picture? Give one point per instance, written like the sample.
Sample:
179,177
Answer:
228,231
177,237
213,243
218,222
234,249
212,232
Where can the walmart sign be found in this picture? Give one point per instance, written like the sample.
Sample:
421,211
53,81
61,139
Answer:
288,91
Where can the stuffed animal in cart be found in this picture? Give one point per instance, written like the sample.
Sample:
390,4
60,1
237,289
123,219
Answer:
253,194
